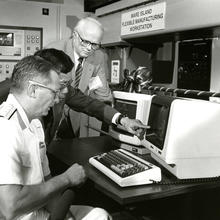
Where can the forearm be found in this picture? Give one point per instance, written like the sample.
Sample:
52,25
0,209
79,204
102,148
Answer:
77,101
62,204
36,196
101,96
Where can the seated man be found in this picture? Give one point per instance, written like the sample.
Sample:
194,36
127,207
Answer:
77,101
26,189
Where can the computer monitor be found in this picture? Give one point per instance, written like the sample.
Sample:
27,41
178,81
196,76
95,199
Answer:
135,106
184,136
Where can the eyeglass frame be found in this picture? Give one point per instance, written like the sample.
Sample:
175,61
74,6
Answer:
65,83
55,92
87,43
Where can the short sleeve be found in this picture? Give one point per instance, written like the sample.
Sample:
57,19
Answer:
11,167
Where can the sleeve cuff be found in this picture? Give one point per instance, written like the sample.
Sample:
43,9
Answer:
114,119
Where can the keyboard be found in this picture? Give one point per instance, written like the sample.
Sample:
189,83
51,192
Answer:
125,168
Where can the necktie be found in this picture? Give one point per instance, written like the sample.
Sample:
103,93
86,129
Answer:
78,72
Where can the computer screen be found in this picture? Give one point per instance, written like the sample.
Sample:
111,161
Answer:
6,39
133,105
158,119
126,107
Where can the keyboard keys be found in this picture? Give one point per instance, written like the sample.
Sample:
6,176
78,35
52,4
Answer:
121,164
125,168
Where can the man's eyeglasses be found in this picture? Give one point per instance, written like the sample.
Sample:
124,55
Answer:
55,92
87,43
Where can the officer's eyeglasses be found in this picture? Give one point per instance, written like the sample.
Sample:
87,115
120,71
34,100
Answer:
55,92
64,83
87,43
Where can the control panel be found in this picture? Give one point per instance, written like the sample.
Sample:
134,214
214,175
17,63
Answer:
6,68
16,43
194,66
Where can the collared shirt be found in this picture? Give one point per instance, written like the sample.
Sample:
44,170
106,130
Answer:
23,157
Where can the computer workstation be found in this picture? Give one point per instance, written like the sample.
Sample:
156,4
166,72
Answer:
182,137
162,114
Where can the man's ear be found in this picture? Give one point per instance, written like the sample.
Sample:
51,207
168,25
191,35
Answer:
31,91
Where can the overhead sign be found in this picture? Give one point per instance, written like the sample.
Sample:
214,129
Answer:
145,19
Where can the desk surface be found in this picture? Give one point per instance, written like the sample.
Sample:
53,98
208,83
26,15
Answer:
81,149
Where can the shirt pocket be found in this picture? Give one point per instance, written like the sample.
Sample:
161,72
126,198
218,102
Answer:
25,160
95,83
42,148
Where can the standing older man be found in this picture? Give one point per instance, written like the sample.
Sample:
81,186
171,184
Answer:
89,74
26,189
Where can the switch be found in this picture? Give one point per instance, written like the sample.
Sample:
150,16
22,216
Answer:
45,11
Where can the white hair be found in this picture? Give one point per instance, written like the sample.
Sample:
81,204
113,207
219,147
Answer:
84,21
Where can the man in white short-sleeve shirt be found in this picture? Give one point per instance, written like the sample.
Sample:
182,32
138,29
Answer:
26,188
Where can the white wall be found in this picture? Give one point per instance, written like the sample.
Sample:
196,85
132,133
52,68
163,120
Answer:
215,66
29,14
23,13
70,12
